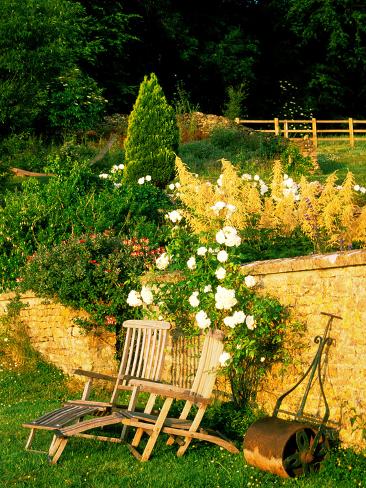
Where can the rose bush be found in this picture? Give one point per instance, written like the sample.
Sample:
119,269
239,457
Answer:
197,285
92,272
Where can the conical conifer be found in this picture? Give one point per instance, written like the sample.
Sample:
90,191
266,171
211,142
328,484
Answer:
152,136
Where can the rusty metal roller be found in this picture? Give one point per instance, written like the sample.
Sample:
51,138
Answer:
290,448
283,447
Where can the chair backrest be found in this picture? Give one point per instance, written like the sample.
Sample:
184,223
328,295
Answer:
143,352
205,377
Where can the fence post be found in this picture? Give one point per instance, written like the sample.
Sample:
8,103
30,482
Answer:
276,126
285,128
313,128
351,133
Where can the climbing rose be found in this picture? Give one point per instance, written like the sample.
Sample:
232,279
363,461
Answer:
202,319
250,281
191,263
224,358
146,295
162,261
224,298
134,299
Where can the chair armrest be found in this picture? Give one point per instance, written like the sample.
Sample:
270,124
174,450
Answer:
93,375
170,391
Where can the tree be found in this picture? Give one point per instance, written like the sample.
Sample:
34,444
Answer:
39,43
152,135
331,43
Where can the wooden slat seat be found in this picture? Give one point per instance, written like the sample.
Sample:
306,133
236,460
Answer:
62,416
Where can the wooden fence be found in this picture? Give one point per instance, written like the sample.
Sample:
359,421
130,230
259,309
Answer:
315,129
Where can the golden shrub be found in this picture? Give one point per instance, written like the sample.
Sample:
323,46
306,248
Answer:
325,213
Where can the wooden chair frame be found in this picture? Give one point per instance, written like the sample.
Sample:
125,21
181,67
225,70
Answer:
180,430
142,357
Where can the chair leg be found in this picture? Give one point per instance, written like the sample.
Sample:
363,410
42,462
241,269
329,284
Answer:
139,432
194,426
183,415
30,439
56,449
156,429
131,408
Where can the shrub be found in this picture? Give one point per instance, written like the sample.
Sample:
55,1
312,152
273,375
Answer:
90,272
152,135
208,290
236,98
248,150
325,215
76,102
45,213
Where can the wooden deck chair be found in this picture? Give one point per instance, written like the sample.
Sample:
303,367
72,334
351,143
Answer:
180,430
142,357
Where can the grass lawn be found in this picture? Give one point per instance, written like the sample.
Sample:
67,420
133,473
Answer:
92,464
339,156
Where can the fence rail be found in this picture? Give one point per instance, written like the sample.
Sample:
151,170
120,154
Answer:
288,128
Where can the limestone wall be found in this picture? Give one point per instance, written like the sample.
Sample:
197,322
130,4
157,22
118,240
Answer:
53,333
333,283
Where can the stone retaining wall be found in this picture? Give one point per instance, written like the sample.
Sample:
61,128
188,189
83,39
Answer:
333,283
53,333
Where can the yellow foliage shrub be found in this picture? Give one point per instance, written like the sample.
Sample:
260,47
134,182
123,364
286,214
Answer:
325,213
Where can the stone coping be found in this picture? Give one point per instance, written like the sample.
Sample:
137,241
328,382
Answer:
341,259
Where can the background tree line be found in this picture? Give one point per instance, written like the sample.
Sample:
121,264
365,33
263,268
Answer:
64,63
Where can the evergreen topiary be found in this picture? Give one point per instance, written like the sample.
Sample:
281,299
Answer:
152,136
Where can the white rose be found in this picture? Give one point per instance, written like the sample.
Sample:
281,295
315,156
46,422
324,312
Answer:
207,288
239,317
224,358
148,178
121,166
234,241
220,237
171,186
141,181
250,281
218,206
191,263
250,322
220,273
222,256
175,216
193,299
224,298
162,261
202,319
231,208
146,295
201,251
104,176
134,299
230,322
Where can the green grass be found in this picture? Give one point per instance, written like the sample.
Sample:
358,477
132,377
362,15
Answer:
92,464
255,154
340,157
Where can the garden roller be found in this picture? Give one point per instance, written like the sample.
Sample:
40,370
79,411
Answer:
291,448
